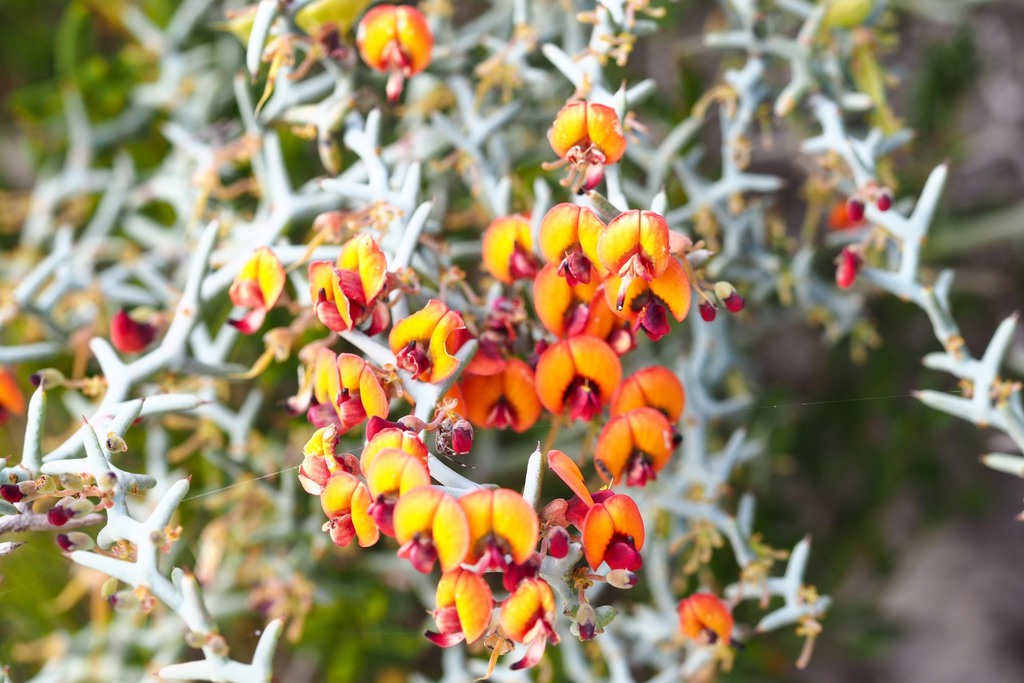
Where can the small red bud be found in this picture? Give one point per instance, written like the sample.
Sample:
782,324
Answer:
64,541
558,542
884,199
847,268
128,335
11,493
462,437
708,311
855,209
58,515
734,302
586,620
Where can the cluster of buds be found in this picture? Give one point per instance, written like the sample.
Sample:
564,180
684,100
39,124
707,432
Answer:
726,294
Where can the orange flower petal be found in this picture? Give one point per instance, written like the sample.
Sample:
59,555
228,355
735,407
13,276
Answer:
357,375
507,242
672,288
362,255
264,270
11,398
585,124
556,302
569,128
532,601
431,513
393,472
402,26
640,234
471,596
705,612
336,498
617,516
503,516
432,330
366,528
326,382
640,433
656,387
391,438
331,305
508,400
583,356
565,228
443,361
567,470
605,131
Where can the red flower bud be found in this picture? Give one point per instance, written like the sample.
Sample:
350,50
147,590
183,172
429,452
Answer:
884,199
855,209
708,311
128,335
586,621
11,493
558,542
462,437
58,515
848,266
734,302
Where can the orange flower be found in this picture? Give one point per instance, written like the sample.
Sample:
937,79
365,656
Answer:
635,445
705,618
347,391
390,475
397,40
580,372
568,240
503,401
566,309
11,399
320,461
613,532
431,525
528,617
634,246
348,293
257,286
390,438
464,606
587,137
508,249
500,522
424,342
646,303
346,503
656,387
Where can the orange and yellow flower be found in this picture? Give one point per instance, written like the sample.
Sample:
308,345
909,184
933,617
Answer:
634,446
350,292
424,342
320,460
500,522
347,391
613,532
528,617
11,399
570,310
257,287
390,438
635,245
397,40
568,240
463,611
586,137
647,303
504,401
431,525
579,373
390,475
346,502
507,249
656,387
705,618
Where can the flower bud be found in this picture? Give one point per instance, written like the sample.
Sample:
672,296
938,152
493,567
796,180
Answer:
586,621
124,601
728,295
558,542
623,579
46,485
708,311
47,378
462,437
129,335
11,493
106,481
848,265
855,209
58,515
884,199
115,444
74,540
108,588
71,482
